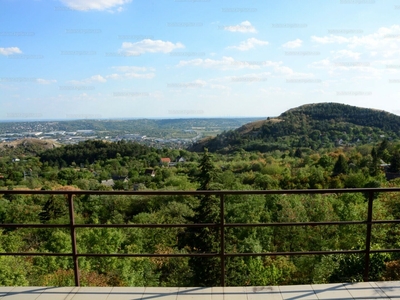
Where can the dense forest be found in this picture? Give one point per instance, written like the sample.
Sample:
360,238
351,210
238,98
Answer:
366,158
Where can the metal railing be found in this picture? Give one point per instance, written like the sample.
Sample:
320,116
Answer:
368,222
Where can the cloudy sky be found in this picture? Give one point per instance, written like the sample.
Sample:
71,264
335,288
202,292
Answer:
75,59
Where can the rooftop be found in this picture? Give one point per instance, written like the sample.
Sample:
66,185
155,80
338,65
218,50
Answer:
362,290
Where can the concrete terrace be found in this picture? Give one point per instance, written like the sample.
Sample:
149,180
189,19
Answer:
363,290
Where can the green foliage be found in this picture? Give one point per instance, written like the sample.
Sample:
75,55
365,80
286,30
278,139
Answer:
93,150
351,268
13,271
319,166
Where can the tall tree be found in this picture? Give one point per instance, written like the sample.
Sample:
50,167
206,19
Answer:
374,168
206,271
395,162
384,145
341,166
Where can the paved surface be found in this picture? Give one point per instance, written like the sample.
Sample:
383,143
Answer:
364,290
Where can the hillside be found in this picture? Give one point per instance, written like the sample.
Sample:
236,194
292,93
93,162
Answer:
26,147
314,126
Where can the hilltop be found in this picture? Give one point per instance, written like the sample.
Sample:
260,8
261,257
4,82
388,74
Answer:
27,146
314,126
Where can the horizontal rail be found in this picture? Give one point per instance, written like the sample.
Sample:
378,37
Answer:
108,225
202,192
292,253
295,224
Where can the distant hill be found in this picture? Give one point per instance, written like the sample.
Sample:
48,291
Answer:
27,147
312,126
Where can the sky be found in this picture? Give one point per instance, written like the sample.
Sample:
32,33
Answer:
99,59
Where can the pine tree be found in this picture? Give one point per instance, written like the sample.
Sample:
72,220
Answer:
54,208
395,162
375,162
341,166
384,145
207,171
206,271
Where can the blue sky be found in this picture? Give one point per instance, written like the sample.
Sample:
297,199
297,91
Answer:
75,59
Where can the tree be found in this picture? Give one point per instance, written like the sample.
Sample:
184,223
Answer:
206,271
207,171
384,145
341,166
54,208
374,168
298,153
395,162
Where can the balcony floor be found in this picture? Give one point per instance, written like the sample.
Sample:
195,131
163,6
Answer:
364,290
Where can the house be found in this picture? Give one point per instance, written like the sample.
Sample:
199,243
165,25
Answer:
165,160
150,172
108,182
123,178
180,159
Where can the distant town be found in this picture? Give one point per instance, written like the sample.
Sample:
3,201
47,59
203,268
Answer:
179,133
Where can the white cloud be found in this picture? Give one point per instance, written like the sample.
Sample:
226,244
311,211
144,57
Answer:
93,79
124,72
85,5
242,27
287,72
293,44
137,75
283,70
346,54
45,81
97,78
219,87
379,46
251,78
271,89
148,45
363,70
132,72
227,63
198,83
249,44
157,95
131,75
331,39
321,64
221,82
132,69
385,41
10,50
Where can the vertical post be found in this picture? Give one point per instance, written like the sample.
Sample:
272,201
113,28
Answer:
73,238
222,238
368,237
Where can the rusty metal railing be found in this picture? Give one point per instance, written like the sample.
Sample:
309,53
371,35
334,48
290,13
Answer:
368,222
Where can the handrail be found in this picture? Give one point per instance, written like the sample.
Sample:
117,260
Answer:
221,225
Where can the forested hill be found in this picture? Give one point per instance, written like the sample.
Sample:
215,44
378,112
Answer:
347,113
311,126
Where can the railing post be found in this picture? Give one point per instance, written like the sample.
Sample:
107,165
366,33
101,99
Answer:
222,238
73,238
368,237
